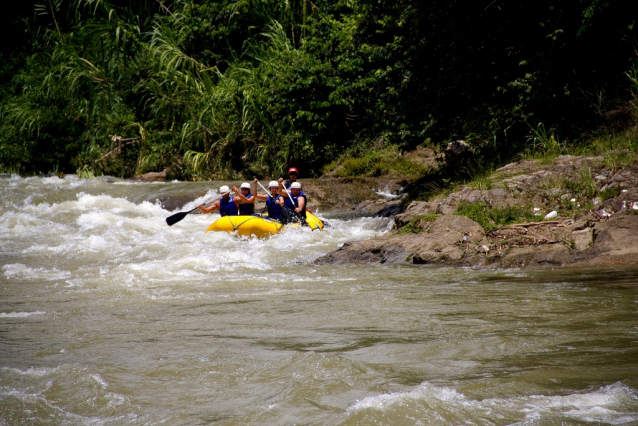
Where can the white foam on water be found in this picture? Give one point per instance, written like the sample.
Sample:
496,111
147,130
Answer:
100,380
612,404
162,271
20,314
18,223
19,270
50,183
35,372
87,240
100,204
211,195
46,249
386,193
97,243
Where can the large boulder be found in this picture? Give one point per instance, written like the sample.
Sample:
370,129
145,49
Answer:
615,241
415,210
447,239
456,152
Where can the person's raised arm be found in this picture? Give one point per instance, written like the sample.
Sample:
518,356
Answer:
282,191
209,209
239,197
258,196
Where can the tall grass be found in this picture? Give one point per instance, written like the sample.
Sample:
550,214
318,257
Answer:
544,143
225,118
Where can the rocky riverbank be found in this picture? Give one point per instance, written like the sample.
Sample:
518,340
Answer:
579,210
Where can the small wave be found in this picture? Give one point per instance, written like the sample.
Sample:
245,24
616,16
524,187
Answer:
19,270
100,380
211,195
36,408
20,314
35,372
612,404
68,182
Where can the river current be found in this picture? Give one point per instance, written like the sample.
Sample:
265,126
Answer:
110,317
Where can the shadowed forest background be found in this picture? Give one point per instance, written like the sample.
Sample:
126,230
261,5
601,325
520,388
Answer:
228,89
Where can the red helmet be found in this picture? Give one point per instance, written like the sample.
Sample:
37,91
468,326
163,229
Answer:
293,170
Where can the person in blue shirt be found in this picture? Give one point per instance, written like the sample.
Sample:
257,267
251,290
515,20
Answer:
274,201
294,199
246,200
227,205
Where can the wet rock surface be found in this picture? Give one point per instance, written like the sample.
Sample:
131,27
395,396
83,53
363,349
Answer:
595,223
363,196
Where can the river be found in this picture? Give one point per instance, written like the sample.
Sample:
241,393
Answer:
110,317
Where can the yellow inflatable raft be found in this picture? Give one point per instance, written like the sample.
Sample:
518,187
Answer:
260,227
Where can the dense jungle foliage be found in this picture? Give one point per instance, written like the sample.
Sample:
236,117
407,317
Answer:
234,88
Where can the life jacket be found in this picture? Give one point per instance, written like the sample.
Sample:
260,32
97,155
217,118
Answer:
289,204
227,207
275,211
246,209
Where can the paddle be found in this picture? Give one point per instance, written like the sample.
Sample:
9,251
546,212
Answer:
291,214
293,203
289,196
262,187
172,220
269,194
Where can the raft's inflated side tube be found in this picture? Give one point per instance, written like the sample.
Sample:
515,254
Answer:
313,221
257,226
246,226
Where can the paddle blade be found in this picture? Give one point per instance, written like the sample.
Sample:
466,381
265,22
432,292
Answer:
172,220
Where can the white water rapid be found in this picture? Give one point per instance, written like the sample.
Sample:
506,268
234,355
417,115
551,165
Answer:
110,317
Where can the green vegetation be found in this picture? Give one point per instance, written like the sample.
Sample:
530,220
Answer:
544,144
608,193
241,88
383,162
416,225
619,149
585,186
494,217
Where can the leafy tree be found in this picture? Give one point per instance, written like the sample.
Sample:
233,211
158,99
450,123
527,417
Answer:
209,88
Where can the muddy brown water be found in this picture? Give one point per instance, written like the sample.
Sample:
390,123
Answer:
110,317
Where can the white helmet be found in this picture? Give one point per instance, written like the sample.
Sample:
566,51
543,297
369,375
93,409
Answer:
224,189
273,183
295,185
245,185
